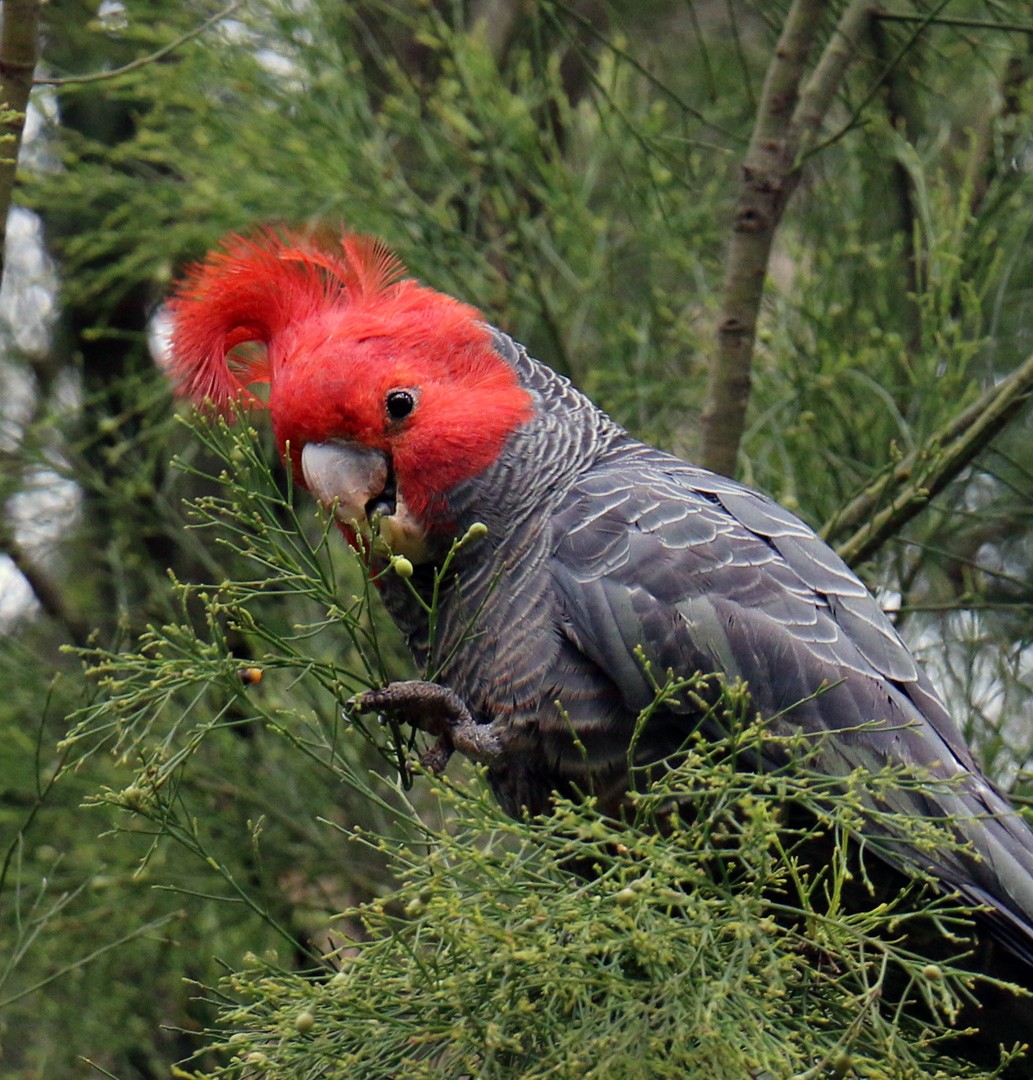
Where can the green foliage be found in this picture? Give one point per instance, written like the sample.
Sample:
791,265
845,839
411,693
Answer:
689,950
572,174
207,784
453,161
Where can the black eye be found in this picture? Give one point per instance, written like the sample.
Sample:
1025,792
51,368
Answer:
399,404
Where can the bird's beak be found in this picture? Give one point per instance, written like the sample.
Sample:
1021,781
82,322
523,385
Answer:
358,483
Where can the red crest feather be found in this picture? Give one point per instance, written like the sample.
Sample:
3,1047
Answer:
329,325
252,291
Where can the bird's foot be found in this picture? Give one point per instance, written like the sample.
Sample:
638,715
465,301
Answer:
439,712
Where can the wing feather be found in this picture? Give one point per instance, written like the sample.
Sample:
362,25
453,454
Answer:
704,574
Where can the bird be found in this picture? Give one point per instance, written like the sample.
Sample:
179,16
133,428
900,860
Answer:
581,561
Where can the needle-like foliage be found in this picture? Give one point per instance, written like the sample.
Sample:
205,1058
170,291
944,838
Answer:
571,167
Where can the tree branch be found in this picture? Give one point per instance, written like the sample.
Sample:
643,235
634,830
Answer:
19,50
819,90
47,596
879,512
788,120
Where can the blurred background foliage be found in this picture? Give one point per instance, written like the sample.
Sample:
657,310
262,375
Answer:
570,168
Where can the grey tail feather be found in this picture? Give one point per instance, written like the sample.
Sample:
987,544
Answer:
1011,931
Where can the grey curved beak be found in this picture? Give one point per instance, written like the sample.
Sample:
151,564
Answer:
353,476
358,483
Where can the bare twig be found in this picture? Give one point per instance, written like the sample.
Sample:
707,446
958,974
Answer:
889,66
788,119
143,61
19,50
1011,128
899,101
878,513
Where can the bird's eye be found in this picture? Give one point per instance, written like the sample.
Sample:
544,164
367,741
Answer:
399,404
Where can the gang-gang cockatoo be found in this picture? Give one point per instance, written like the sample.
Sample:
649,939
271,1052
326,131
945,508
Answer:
407,413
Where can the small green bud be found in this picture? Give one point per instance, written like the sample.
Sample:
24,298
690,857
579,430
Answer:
625,897
477,531
304,1021
932,972
133,797
402,566
841,1064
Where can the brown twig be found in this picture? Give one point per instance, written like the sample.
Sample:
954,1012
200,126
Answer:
789,117
899,101
878,513
19,50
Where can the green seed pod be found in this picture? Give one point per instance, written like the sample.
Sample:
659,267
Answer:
841,1064
304,1021
477,531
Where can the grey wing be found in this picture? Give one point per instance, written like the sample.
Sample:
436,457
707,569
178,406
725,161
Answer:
704,574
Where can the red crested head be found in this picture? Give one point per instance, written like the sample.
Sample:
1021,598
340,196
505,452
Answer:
353,353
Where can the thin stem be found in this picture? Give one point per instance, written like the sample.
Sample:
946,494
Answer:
143,61
961,23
